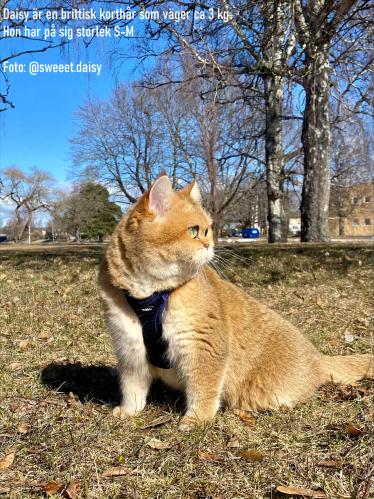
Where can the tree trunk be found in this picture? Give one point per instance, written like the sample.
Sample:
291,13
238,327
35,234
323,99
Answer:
209,145
274,35
316,142
274,159
341,225
18,224
22,226
217,228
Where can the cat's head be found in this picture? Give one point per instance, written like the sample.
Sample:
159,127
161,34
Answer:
168,234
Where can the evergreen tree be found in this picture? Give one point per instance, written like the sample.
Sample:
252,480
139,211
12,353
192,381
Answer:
88,213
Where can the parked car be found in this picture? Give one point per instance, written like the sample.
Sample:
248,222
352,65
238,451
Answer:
251,233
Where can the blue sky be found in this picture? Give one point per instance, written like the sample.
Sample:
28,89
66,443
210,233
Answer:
37,131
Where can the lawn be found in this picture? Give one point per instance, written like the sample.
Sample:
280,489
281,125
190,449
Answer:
58,386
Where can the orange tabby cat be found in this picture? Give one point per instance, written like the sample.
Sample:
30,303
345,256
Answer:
224,347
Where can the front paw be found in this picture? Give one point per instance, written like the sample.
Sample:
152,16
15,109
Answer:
122,413
190,423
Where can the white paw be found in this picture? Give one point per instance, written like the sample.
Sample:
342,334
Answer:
122,412
188,423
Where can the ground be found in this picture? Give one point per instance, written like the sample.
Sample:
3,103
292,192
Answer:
58,387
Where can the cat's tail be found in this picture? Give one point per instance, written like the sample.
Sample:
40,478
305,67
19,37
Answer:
346,368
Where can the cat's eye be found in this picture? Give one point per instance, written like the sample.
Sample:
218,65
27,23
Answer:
193,231
206,232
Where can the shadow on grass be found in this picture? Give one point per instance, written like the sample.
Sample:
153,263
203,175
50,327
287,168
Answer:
100,385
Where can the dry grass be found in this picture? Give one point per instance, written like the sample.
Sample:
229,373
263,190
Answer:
58,385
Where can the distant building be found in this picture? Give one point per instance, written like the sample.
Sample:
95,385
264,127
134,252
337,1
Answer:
294,223
352,211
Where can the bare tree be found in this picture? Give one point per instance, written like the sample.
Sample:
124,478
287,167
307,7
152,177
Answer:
246,47
319,26
255,48
351,168
13,30
128,140
119,142
29,194
250,207
225,152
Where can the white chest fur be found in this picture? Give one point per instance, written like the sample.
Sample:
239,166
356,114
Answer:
127,338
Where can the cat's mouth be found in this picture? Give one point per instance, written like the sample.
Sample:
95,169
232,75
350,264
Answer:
204,256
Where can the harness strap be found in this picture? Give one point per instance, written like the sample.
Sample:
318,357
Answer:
149,311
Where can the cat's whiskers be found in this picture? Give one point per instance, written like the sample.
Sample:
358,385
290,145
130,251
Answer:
204,273
214,265
221,261
233,253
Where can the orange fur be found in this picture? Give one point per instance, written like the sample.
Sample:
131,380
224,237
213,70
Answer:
226,348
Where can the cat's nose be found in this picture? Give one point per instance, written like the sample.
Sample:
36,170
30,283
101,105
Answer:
205,244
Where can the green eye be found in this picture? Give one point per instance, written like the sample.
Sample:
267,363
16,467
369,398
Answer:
193,231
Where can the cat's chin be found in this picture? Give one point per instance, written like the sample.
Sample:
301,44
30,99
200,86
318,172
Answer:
204,258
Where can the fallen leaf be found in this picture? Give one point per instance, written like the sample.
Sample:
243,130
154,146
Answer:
246,417
300,492
207,456
7,461
158,421
117,471
233,443
155,443
24,428
52,488
24,344
252,454
330,463
349,338
44,335
346,392
353,431
14,365
317,300
73,489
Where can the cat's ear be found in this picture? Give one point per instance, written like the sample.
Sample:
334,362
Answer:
160,196
192,190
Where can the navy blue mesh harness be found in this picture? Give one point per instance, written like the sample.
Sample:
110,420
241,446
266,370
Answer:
150,311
